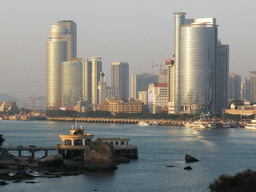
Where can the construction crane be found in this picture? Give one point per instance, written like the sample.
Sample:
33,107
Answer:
153,64
33,100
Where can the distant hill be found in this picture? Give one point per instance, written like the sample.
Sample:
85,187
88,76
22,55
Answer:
7,97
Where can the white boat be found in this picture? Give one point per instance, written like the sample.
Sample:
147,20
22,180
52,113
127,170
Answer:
197,125
251,125
142,123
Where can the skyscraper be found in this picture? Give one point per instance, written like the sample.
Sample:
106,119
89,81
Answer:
250,87
71,82
195,63
141,83
234,86
222,72
56,52
62,45
120,78
91,77
70,37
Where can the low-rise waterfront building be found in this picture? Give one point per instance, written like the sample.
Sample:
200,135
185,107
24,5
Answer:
114,105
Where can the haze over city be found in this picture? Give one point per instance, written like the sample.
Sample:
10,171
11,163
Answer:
133,31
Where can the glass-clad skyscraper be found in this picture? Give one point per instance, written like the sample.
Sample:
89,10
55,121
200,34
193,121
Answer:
56,52
71,82
195,63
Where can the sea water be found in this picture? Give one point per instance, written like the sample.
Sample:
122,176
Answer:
218,150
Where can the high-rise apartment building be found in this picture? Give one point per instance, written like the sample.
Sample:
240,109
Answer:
56,52
195,63
120,78
222,75
234,87
91,77
141,83
71,82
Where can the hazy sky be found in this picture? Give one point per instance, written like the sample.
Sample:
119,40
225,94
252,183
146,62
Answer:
132,31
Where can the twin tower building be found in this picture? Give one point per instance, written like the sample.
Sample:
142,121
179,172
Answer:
197,75
70,79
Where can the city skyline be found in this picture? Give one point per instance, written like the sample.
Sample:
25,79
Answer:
143,35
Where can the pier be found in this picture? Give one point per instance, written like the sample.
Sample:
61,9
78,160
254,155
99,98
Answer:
33,150
115,120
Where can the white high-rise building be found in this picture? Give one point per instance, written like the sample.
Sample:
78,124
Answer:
195,63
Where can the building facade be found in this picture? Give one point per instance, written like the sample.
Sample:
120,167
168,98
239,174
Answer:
157,97
141,83
120,78
120,106
143,97
70,36
250,88
56,52
91,77
234,86
222,75
71,82
113,92
195,63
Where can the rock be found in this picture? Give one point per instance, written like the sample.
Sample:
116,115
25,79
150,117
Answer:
188,168
99,156
189,158
51,161
32,182
3,183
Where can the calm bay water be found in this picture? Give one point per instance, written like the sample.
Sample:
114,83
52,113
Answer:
219,151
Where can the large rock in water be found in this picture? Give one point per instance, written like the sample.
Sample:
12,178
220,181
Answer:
51,161
189,158
100,156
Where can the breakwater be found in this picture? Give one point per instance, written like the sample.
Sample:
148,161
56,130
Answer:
168,122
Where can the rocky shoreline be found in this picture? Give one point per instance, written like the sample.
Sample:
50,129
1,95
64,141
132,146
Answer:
24,168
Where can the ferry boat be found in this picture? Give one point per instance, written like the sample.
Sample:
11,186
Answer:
142,123
251,125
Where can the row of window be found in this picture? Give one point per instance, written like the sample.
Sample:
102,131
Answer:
76,142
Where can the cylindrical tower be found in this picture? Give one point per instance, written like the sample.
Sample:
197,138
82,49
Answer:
197,69
56,52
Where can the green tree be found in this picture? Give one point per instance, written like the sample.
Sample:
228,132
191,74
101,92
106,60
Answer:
242,181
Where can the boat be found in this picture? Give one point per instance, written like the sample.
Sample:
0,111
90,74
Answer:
251,125
197,125
211,125
142,123
154,123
